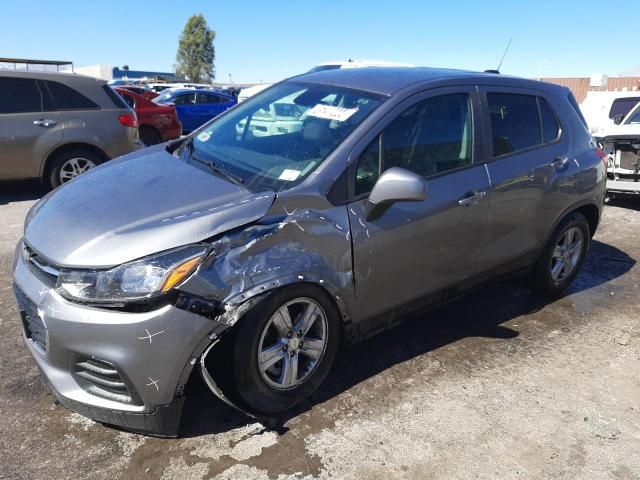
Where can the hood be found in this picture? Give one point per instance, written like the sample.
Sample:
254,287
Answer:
144,203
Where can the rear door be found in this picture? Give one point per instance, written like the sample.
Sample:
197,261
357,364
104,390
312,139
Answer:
417,248
532,177
27,134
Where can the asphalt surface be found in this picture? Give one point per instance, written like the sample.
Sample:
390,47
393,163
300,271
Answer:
501,384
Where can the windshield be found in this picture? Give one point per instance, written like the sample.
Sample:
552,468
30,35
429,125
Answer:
275,139
164,96
634,115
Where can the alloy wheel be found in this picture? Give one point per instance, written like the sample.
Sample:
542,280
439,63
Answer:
292,343
566,254
74,167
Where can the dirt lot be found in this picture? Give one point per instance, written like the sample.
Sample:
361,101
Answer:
498,385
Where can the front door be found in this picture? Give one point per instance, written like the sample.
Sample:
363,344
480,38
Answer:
418,248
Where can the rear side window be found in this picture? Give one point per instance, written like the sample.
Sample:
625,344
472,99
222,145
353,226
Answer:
115,98
622,106
62,97
210,98
515,122
19,95
550,125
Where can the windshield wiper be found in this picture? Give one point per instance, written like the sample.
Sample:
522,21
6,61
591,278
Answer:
214,167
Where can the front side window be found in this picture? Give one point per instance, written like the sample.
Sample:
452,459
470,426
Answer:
368,169
266,150
431,137
515,122
186,99
19,95
62,97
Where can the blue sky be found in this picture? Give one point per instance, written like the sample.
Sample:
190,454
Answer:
270,40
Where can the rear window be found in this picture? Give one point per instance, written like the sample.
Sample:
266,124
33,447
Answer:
115,98
515,122
62,97
19,95
622,106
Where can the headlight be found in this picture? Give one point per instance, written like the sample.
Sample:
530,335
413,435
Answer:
138,280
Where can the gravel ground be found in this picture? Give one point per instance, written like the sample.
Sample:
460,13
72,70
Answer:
498,385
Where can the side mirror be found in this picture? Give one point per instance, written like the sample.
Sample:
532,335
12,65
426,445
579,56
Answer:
618,119
394,185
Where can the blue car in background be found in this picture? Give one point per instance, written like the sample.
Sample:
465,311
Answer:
196,106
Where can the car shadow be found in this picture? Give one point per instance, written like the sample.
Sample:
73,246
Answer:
480,314
20,191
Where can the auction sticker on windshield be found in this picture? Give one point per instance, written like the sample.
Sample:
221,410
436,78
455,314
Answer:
289,175
330,112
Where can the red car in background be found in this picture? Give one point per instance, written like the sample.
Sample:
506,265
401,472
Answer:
156,123
148,94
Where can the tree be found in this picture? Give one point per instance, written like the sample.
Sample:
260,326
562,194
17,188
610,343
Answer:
196,52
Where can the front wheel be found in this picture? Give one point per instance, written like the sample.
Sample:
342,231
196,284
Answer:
284,348
563,256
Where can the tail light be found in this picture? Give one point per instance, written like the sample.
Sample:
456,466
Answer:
603,156
128,120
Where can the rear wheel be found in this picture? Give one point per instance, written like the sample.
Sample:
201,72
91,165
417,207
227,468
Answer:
284,348
563,255
150,136
69,164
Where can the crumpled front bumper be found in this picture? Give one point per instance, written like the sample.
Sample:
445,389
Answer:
122,368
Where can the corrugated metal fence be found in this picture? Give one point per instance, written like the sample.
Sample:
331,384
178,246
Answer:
580,86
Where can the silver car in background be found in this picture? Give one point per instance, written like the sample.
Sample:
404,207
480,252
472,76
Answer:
55,126
254,256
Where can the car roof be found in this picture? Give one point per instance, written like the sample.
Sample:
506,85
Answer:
53,76
196,90
390,80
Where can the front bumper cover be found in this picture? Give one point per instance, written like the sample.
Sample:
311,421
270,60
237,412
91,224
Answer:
150,355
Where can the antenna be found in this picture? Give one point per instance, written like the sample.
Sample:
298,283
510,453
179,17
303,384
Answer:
504,54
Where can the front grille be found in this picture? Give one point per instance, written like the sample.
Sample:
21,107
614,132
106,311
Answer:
34,327
102,379
46,271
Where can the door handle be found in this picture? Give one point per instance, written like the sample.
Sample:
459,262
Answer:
560,162
471,198
45,122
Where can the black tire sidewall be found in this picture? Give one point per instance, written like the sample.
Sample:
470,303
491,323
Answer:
53,171
250,387
149,132
542,280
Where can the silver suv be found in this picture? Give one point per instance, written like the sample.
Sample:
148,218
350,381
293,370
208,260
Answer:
252,254
54,126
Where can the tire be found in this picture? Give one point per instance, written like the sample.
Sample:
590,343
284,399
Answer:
150,136
259,389
69,164
556,269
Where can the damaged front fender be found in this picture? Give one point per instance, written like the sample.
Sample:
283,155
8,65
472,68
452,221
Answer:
301,245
